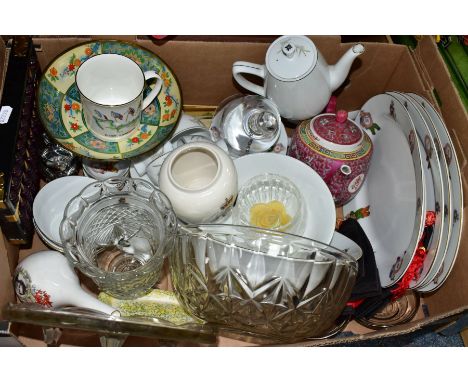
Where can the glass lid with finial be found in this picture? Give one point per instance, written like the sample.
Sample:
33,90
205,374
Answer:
248,124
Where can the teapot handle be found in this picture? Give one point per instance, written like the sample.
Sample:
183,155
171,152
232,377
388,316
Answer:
240,67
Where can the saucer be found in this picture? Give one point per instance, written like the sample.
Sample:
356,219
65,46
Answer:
60,108
391,202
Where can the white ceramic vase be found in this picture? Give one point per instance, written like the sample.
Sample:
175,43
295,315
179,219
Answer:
200,180
48,279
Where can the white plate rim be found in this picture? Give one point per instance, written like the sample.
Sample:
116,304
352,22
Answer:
50,243
455,237
443,200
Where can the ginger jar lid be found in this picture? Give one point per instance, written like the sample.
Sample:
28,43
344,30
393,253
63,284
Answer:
290,58
335,130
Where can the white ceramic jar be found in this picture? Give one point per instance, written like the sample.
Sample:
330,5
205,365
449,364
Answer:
200,180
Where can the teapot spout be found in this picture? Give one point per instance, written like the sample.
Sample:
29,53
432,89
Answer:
340,70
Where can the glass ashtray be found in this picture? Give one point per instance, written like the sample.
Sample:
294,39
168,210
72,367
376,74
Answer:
270,201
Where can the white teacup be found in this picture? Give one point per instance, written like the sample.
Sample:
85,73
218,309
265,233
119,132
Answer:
111,89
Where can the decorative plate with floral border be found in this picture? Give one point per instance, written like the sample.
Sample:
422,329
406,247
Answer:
444,265
439,182
61,112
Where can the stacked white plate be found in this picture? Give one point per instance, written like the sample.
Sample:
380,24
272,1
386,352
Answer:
444,260
414,170
49,205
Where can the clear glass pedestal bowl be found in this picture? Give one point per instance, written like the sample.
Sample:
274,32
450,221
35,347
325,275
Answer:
260,281
118,232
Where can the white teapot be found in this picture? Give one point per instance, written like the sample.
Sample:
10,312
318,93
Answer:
296,76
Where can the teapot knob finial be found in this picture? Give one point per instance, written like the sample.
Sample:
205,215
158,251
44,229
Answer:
288,49
341,116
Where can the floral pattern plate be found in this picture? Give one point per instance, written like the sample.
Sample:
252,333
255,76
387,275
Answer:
443,265
61,112
391,201
437,184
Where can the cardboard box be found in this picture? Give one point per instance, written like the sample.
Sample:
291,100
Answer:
203,69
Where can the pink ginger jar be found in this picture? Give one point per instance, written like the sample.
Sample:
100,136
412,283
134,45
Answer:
337,149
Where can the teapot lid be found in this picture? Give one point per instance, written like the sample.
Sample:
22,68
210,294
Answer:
290,58
337,129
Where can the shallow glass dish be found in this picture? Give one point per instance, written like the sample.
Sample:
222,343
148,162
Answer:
262,193
118,232
260,281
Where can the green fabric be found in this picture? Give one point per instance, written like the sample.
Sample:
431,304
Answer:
456,57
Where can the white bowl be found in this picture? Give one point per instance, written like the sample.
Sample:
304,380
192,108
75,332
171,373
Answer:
51,244
50,203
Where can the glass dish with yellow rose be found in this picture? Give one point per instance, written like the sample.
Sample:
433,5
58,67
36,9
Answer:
270,201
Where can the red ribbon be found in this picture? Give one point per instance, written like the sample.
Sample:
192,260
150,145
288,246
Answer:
414,269
354,304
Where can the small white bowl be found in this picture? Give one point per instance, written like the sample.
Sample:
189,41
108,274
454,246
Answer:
50,203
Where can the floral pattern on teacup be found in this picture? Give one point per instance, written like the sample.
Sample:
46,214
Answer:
114,120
